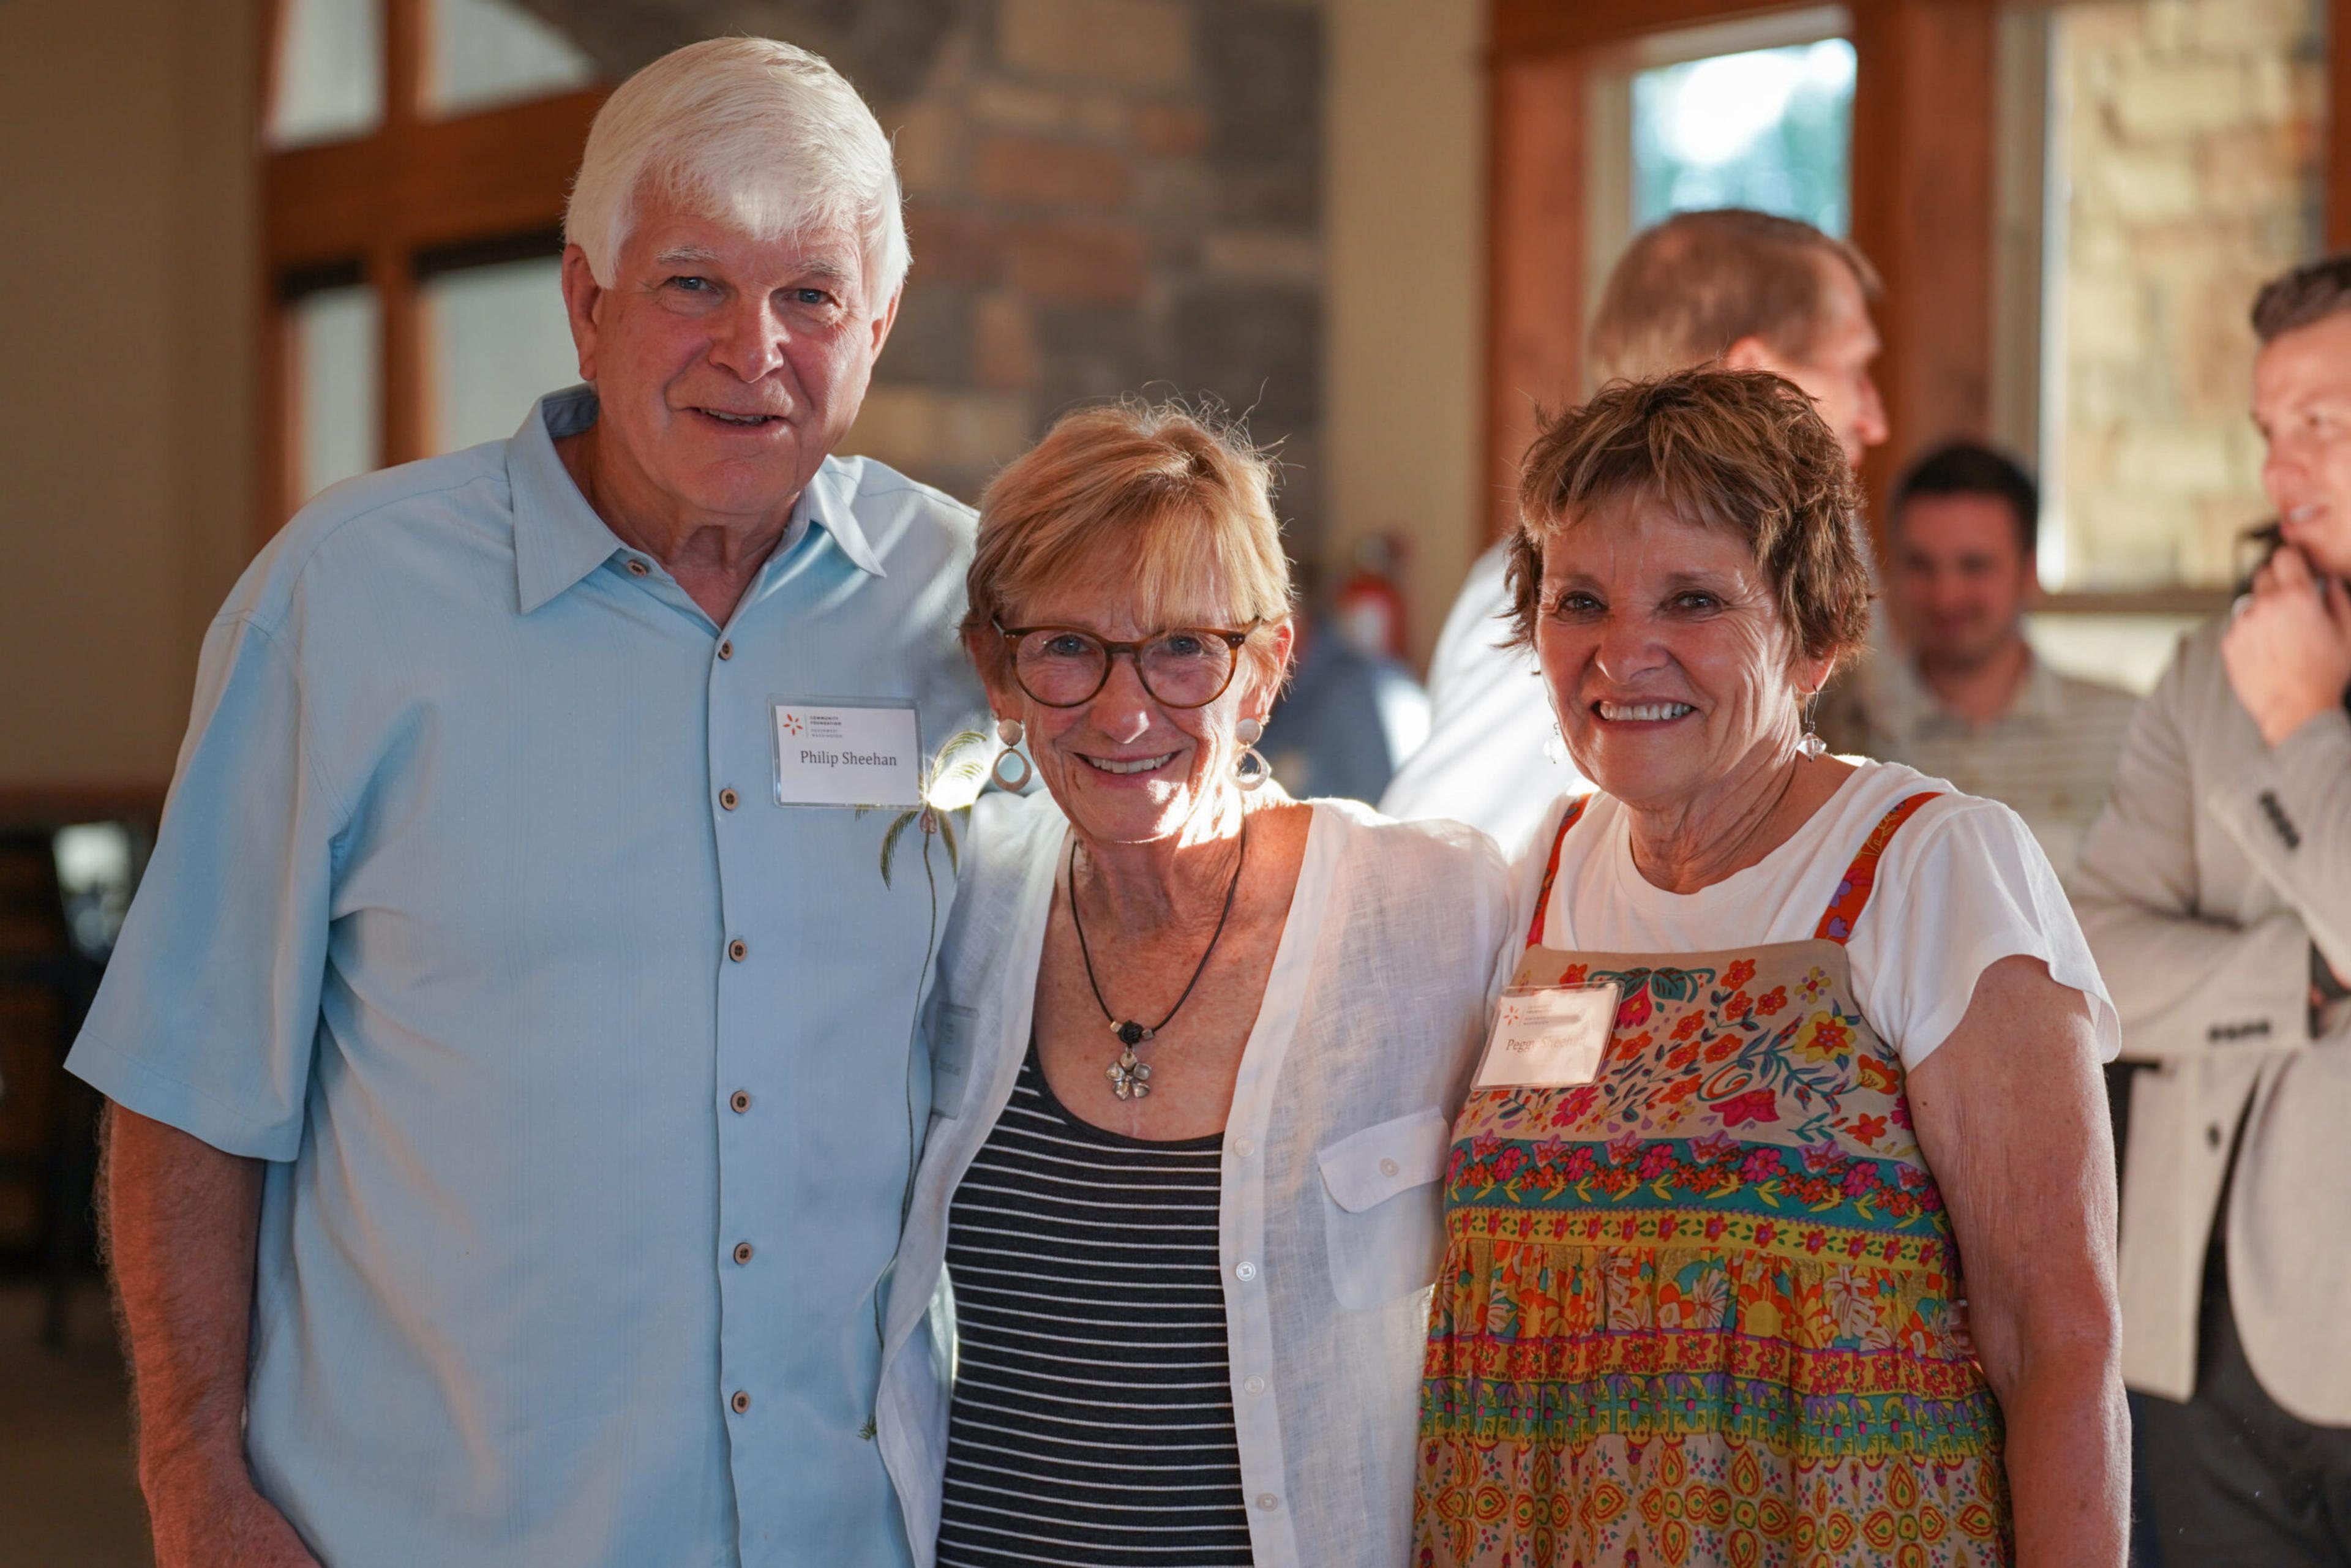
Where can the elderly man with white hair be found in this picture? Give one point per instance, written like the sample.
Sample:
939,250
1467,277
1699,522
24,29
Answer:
512,1050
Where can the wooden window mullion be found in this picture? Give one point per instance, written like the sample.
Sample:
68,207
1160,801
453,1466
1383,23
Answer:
406,383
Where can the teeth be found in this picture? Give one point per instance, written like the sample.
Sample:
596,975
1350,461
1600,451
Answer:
1644,711
1137,764
736,418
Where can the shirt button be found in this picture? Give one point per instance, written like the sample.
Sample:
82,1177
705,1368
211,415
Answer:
1243,1148
637,568
1265,1499
1389,1168
740,1100
1254,1385
742,1251
740,1403
738,949
1244,1272
726,650
728,799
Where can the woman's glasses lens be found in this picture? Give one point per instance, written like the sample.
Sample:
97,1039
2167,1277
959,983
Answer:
1062,668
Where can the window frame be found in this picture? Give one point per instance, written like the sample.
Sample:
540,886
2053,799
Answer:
413,188
1925,151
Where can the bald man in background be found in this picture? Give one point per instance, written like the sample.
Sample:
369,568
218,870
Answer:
1749,289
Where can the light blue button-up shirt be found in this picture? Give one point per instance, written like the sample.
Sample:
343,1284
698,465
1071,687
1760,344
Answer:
574,1239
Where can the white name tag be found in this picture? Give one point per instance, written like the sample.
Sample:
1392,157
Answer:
844,754
1548,1036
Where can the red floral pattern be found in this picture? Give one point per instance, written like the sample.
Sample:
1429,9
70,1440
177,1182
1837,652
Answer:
1704,1309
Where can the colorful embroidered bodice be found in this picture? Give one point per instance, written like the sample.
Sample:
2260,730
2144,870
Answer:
1704,1309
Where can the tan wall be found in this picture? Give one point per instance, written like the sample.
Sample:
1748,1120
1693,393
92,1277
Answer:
126,330
1404,231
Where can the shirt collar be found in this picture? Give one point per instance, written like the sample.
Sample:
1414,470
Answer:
558,538
826,504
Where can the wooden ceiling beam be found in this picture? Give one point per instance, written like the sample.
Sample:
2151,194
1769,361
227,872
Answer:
428,183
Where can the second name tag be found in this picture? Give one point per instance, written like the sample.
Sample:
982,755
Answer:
845,754
1548,1037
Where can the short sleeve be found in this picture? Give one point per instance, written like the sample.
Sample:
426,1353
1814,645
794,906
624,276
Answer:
1964,885
208,1015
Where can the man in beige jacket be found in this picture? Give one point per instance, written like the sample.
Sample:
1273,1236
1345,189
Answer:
2216,891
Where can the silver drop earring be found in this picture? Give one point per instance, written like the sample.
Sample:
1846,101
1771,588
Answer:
1250,779
1008,731
1809,745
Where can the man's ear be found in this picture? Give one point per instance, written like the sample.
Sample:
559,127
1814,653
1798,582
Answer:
581,295
887,318
1752,354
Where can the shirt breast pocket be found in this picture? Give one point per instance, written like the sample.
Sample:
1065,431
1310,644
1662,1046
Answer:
1383,1209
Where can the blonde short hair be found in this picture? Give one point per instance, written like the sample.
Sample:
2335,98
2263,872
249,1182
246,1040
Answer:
761,134
1689,287
1174,507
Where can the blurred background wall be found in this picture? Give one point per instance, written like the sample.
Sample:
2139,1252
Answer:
129,192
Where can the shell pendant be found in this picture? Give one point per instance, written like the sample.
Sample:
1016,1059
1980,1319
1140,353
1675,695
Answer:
1130,1078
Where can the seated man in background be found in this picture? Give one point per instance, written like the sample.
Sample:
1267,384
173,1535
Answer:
1966,698
1747,289
2216,893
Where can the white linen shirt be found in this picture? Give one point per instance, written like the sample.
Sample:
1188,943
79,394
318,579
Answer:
1331,1219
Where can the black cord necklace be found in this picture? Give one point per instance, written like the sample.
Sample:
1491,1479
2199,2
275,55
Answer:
1130,1078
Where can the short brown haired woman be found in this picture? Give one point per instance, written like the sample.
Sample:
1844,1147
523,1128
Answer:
1197,1048
1805,1195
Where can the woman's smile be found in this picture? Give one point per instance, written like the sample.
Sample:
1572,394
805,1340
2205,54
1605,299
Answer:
1127,767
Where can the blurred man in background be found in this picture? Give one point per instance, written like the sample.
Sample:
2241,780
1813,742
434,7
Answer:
2216,893
1966,698
1754,291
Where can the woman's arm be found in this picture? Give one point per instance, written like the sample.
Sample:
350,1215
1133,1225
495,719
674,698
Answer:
2012,1114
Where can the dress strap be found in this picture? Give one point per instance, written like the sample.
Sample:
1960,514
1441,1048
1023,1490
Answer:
1550,871
1844,912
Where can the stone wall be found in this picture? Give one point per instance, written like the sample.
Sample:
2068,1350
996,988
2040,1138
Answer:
1104,196
2188,138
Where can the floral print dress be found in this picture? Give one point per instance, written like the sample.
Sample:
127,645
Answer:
1706,1309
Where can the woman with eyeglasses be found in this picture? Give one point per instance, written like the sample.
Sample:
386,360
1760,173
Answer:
1195,1049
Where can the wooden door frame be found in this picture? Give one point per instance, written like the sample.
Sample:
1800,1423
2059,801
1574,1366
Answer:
1923,210
377,202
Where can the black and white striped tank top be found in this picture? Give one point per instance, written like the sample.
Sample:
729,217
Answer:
1092,1421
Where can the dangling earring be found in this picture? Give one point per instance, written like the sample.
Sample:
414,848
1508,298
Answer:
1008,731
1555,746
1251,779
1809,745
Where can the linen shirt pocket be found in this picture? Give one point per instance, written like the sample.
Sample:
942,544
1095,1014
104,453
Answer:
1383,1210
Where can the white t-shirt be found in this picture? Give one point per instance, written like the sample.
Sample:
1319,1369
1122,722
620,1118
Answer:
1962,885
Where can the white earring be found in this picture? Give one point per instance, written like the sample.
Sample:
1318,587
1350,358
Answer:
1009,731
1248,731
1809,745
